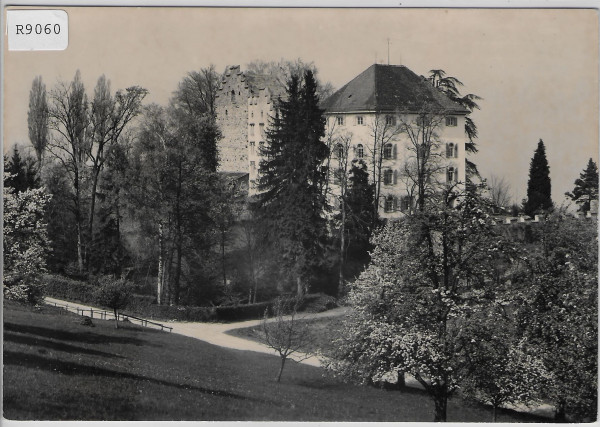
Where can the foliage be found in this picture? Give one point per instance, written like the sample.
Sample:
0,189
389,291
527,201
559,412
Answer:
558,314
431,277
113,293
450,87
285,333
539,186
38,117
23,173
586,187
291,204
25,243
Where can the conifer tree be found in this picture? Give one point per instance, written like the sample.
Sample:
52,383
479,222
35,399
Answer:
23,172
538,186
291,204
586,187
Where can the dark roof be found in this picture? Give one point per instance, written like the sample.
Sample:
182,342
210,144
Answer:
389,88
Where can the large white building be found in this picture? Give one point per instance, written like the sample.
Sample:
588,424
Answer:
376,117
369,118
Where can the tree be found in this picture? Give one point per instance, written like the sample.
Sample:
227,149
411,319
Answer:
286,334
538,187
499,191
291,202
197,91
558,312
69,119
432,276
450,87
423,169
586,187
114,294
23,173
38,117
26,243
108,118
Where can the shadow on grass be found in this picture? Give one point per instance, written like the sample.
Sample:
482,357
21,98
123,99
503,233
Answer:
83,337
71,368
53,345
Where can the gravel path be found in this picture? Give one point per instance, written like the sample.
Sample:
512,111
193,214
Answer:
215,333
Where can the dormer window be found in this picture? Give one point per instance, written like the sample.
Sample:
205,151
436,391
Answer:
390,120
340,120
451,121
360,120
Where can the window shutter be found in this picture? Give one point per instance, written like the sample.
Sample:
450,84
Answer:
395,204
395,177
455,150
395,151
448,150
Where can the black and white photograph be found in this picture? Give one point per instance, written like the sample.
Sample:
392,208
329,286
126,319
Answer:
300,214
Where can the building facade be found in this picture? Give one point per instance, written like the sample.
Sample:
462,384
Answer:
382,116
374,118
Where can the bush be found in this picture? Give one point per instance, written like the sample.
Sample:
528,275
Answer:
242,312
317,303
69,289
113,293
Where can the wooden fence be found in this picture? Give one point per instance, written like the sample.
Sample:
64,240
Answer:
107,314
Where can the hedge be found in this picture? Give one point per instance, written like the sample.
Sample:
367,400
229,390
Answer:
145,305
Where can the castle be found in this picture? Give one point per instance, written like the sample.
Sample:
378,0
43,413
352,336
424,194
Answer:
370,115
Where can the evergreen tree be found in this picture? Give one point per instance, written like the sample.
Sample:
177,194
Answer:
538,186
586,187
291,203
359,218
23,172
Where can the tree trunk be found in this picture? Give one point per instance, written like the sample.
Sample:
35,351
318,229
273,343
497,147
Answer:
161,262
283,359
342,244
92,209
299,289
560,415
441,403
223,257
495,412
116,319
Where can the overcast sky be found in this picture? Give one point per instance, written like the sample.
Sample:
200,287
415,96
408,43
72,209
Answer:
536,70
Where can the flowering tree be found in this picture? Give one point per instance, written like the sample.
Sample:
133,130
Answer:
25,243
558,313
418,305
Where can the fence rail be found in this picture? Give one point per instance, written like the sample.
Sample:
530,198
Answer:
107,314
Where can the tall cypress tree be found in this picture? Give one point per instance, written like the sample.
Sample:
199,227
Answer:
291,204
538,186
586,187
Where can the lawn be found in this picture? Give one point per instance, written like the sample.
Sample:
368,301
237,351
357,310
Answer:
55,368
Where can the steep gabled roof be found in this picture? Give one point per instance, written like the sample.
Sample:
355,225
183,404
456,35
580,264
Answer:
258,82
389,88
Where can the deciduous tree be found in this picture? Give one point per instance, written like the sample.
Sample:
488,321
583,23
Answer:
38,117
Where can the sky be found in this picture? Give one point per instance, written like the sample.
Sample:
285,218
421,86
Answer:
536,69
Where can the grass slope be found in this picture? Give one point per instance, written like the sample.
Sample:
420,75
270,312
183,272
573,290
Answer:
57,369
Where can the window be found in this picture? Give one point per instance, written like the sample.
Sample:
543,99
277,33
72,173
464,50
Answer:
226,112
252,114
451,175
405,204
262,130
388,177
252,166
340,120
261,114
360,151
389,204
252,129
339,151
451,150
451,121
232,95
388,151
360,120
252,147
390,120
